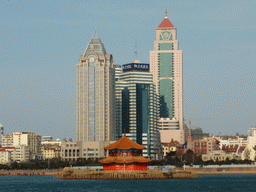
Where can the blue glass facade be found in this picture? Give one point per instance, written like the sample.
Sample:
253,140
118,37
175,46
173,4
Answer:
137,110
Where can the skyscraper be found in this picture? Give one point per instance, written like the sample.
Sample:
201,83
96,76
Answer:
136,107
95,93
166,67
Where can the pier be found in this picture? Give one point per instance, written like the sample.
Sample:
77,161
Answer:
88,174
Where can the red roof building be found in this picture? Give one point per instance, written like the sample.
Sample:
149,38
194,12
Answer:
166,23
124,155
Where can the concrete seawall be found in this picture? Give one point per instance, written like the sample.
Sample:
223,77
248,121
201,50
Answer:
27,172
223,170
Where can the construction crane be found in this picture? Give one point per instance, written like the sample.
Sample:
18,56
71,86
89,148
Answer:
189,120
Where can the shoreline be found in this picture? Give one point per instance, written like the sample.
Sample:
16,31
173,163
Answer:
36,172
197,171
225,173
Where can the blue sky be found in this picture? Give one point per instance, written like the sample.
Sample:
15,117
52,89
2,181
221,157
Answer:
41,40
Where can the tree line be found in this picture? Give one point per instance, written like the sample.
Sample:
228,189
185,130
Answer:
49,164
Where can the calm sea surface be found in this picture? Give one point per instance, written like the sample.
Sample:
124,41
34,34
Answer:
205,183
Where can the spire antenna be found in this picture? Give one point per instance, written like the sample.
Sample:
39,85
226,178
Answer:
136,50
165,13
136,61
96,34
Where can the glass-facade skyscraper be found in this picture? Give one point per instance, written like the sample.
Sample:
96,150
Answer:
137,111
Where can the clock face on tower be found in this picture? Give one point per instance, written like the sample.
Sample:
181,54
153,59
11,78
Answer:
166,35
91,59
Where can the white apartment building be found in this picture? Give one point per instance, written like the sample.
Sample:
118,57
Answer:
5,156
32,140
21,153
7,140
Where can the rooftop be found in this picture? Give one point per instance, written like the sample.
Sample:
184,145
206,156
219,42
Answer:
124,144
166,23
95,46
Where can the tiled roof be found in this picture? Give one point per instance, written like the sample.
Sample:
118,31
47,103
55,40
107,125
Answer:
233,148
166,23
241,149
171,144
124,159
124,144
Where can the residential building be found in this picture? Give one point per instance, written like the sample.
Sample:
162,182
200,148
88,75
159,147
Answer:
5,156
95,94
32,140
137,111
50,153
166,67
203,146
6,140
21,153
47,138
170,147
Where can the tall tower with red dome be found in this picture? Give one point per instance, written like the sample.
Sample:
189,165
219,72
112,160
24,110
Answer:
166,67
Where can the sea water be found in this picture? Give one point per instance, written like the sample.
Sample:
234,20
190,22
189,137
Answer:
202,183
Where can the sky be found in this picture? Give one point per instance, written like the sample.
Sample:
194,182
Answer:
41,40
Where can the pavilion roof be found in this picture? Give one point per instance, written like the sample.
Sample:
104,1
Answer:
124,144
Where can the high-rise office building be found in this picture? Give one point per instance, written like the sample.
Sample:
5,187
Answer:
95,93
137,111
166,67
